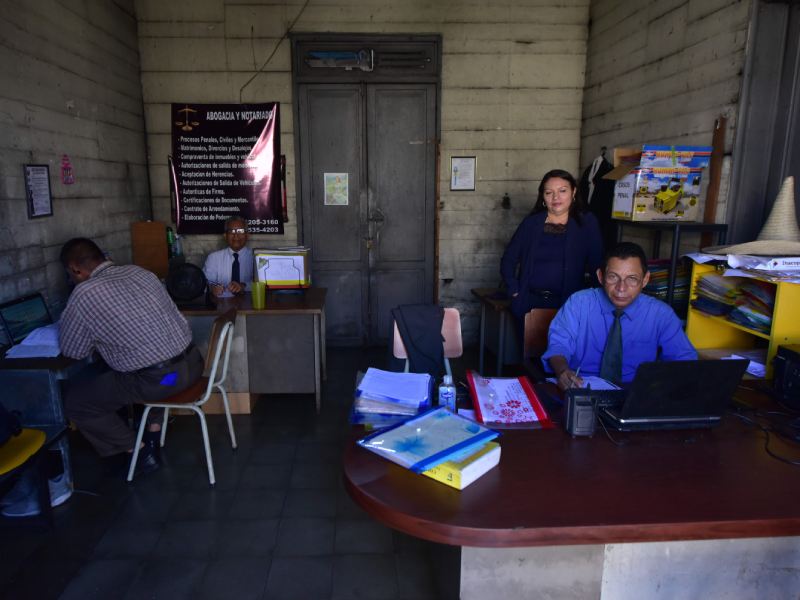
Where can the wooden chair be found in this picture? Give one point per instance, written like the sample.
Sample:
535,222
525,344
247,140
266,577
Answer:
451,332
197,394
537,324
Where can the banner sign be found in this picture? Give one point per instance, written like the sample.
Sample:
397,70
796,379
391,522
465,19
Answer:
225,163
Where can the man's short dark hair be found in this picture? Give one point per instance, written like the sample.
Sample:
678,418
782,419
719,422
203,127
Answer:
625,250
82,252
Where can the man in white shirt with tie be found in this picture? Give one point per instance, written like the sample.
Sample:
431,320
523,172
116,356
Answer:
231,269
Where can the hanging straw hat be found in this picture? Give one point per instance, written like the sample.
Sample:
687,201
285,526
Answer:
780,235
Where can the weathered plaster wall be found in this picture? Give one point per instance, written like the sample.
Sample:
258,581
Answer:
70,85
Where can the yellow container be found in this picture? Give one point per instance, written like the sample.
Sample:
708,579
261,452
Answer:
259,291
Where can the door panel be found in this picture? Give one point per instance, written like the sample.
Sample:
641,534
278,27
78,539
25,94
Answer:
331,137
401,182
375,252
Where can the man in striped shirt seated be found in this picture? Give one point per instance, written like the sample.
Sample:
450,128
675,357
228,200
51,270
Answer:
124,314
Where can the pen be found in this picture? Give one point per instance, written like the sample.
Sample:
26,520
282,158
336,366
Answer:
577,374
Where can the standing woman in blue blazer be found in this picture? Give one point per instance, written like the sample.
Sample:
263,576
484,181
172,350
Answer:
553,247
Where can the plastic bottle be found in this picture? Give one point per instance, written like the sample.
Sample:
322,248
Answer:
447,394
177,246
170,242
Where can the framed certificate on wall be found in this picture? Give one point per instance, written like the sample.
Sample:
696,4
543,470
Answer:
462,173
37,191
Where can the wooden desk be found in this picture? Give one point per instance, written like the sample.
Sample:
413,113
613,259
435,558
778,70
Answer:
605,511
497,332
277,350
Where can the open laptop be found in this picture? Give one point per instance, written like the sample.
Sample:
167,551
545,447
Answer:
680,394
21,316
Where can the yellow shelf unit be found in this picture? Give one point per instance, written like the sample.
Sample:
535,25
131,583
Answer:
705,331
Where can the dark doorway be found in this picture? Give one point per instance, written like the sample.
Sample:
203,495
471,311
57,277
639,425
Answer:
367,129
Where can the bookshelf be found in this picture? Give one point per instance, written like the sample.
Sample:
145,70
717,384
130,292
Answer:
709,332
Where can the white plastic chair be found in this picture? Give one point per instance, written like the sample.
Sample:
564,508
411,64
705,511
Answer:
451,332
197,394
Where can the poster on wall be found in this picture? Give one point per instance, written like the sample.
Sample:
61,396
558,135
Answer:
226,162
37,191
336,189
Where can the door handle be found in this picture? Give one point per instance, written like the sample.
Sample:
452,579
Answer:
376,216
369,242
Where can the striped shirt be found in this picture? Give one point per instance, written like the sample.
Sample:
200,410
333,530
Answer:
125,314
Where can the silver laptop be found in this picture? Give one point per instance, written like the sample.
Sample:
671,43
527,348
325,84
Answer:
676,395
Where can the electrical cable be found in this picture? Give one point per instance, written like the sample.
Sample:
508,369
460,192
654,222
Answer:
274,50
766,431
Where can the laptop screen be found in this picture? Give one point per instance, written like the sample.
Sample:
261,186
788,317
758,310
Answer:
21,316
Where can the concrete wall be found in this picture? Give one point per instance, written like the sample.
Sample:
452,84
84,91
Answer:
661,72
513,76
70,85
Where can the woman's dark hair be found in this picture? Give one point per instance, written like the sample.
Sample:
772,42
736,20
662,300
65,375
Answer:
577,207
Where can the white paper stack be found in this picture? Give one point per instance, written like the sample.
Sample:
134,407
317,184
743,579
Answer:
383,397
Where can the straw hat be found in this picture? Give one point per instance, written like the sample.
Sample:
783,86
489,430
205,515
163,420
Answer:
780,235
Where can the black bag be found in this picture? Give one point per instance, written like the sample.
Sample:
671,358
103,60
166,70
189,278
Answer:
9,425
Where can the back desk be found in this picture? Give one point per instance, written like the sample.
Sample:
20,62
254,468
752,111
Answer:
279,349
587,518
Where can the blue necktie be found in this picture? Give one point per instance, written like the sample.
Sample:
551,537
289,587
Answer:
235,267
611,365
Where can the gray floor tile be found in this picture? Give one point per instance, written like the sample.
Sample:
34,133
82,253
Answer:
239,578
257,504
271,453
326,453
362,536
126,540
310,503
367,576
243,538
202,504
187,539
265,476
416,577
305,537
167,579
102,579
314,476
300,578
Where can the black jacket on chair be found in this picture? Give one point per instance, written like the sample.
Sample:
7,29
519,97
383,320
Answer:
420,327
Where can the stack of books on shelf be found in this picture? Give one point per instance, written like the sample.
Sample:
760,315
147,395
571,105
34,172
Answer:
747,302
716,295
754,305
385,398
659,281
439,444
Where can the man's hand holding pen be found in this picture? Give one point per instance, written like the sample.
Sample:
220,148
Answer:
568,379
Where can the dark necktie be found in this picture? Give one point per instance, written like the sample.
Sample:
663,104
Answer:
611,365
235,267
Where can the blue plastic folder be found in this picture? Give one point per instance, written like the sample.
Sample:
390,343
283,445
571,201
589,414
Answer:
424,441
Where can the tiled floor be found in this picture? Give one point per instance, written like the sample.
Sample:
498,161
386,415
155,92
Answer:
278,524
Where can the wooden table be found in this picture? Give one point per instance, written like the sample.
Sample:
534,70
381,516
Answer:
604,504
279,349
496,331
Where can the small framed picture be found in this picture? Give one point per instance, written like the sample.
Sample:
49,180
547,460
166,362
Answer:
37,191
462,173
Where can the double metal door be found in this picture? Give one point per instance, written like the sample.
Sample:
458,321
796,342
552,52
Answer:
368,164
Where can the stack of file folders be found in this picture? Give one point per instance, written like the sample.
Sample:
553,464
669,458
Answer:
754,305
384,398
716,295
440,445
659,281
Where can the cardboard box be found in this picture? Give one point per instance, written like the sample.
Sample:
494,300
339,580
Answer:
284,268
664,185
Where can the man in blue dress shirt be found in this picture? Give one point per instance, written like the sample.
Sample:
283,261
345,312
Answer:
582,327
230,271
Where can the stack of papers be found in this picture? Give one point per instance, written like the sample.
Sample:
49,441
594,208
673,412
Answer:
383,398
754,305
716,295
425,441
39,343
